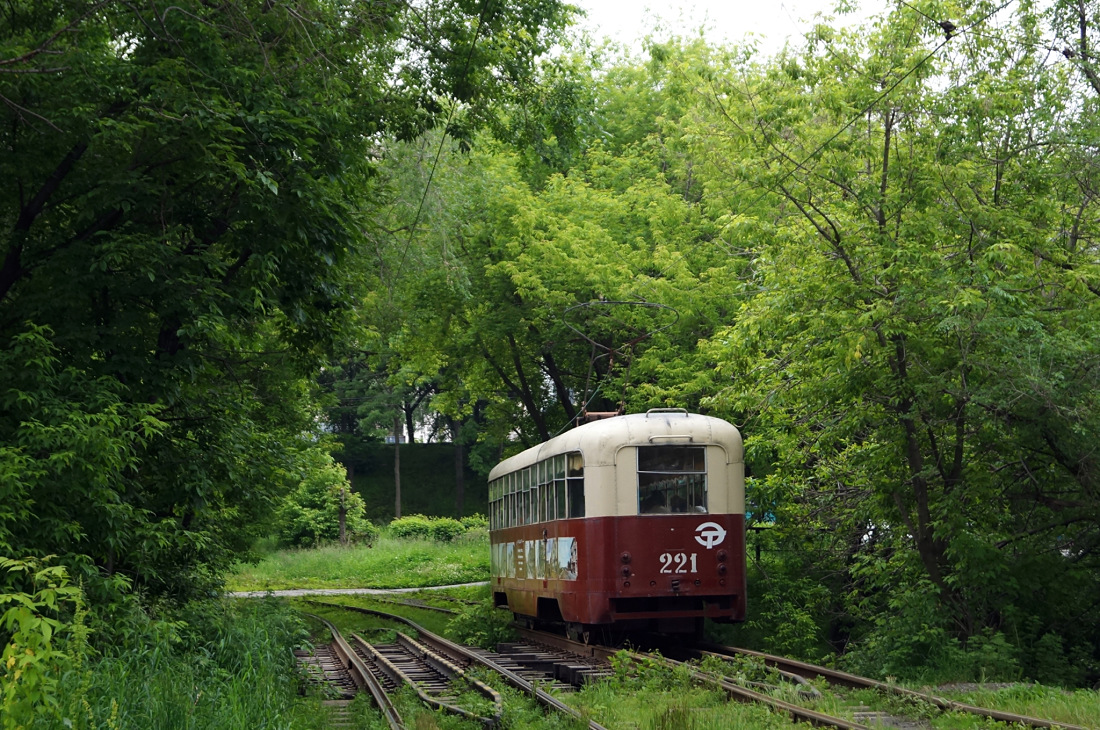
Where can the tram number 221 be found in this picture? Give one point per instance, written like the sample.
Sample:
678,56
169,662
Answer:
678,563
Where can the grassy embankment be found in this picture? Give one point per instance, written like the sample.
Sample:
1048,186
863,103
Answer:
390,563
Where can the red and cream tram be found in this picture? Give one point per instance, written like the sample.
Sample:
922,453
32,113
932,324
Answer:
632,522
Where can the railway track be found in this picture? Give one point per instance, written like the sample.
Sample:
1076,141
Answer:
733,690
437,681
341,665
836,678
434,666
431,663
798,672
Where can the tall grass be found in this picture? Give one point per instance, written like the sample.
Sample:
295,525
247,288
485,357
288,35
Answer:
1077,707
389,563
225,665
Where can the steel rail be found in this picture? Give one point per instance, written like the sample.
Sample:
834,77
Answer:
362,676
733,690
739,693
410,604
844,679
454,649
441,667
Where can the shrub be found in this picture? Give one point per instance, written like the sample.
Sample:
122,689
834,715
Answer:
411,526
31,663
475,522
446,529
482,625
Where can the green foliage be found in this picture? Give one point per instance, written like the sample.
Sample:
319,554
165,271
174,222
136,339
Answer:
446,529
227,664
310,515
69,445
482,625
673,718
899,306
411,526
30,626
648,673
187,199
475,522
895,358
443,529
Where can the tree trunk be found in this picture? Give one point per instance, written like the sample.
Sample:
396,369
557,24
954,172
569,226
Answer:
526,394
564,397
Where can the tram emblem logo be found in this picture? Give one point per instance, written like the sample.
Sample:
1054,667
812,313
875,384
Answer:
710,534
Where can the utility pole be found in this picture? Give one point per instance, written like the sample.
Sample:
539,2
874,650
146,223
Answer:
343,517
460,469
397,465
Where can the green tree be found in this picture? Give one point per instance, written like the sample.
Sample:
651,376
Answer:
903,202
186,191
323,508
519,243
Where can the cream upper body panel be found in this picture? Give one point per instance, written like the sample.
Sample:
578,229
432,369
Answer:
609,449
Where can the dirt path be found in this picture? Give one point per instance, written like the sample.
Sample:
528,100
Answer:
294,592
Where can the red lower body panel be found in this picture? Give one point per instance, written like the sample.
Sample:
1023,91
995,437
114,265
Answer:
611,570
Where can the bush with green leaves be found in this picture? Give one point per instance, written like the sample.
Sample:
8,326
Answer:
482,625
443,529
446,529
31,664
475,522
412,526
310,515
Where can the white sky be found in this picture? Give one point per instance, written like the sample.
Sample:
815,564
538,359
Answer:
772,22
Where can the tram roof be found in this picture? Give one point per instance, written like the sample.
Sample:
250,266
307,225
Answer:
600,441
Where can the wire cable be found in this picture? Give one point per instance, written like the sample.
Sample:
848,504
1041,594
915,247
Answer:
949,35
442,139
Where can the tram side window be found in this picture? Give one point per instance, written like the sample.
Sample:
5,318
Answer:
575,483
497,505
672,479
548,502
